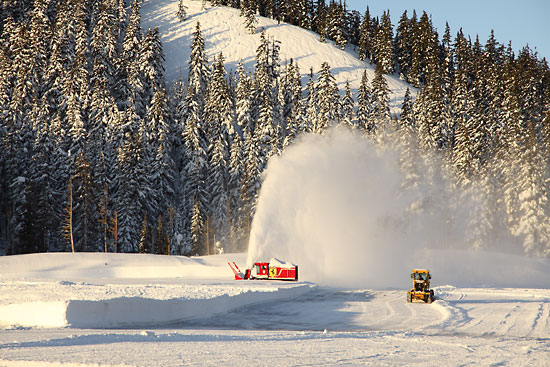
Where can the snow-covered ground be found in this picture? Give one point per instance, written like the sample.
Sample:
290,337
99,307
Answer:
123,290
144,310
224,31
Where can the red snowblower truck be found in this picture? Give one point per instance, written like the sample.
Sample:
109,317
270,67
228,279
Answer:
275,269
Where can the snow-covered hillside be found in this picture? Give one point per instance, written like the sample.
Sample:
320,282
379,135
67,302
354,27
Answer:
224,31
141,310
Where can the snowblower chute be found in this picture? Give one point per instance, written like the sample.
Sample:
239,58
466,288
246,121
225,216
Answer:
275,269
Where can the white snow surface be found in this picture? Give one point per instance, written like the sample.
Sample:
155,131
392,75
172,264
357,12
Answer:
123,290
223,31
280,263
89,310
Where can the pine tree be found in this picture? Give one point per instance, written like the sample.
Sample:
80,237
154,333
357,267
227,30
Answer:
365,106
199,71
236,235
143,246
268,125
182,11
320,20
434,125
290,91
221,125
102,106
384,45
306,14
151,63
194,196
85,205
335,24
162,241
50,182
250,184
347,108
131,80
403,45
328,98
248,10
353,26
311,105
243,103
415,75
365,39
533,226
380,94
129,194
408,157
68,218
163,167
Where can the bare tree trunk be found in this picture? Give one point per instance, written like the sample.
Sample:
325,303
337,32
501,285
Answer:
104,214
114,229
68,225
207,235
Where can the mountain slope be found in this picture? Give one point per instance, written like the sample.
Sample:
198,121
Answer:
223,30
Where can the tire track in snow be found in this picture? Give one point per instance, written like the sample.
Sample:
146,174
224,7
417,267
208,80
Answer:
537,319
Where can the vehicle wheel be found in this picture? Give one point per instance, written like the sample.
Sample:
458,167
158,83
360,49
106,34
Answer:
429,299
409,297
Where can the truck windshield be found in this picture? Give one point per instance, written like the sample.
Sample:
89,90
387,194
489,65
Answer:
420,276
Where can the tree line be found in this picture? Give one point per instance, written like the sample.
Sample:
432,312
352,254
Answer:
98,154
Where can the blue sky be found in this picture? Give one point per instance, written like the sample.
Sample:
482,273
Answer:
522,22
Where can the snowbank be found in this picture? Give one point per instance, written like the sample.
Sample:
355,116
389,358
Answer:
66,266
94,290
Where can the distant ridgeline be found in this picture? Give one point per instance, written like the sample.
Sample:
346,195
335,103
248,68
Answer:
99,154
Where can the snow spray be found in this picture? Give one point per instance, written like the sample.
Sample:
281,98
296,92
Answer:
336,205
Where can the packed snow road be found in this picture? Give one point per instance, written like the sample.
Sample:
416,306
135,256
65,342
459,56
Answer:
322,327
464,311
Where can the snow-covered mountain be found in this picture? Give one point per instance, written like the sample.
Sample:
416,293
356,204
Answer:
224,32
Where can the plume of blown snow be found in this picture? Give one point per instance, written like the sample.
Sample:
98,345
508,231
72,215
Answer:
338,206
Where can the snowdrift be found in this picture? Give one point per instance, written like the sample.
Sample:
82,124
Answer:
95,290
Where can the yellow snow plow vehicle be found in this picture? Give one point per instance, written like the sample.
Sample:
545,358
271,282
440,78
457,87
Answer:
421,287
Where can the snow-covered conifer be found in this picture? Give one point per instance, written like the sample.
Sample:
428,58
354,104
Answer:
328,98
365,106
310,105
380,95
348,107
403,44
152,63
384,44
243,102
161,139
365,39
248,10
182,11
199,71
